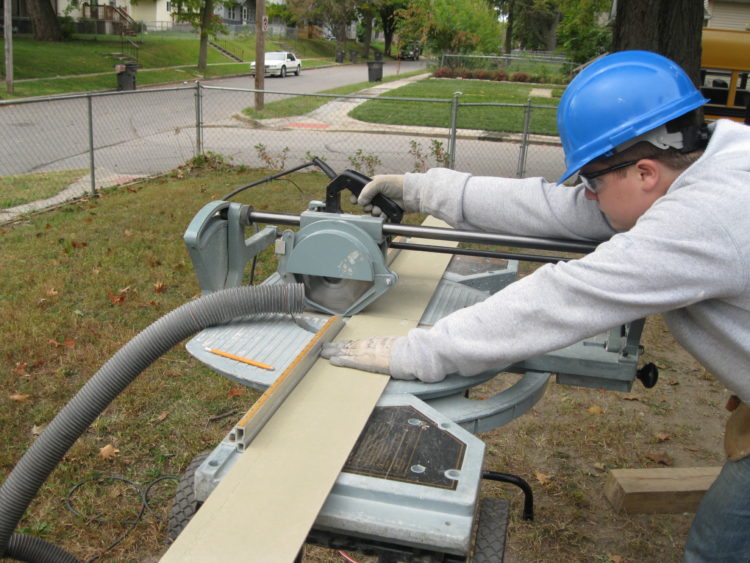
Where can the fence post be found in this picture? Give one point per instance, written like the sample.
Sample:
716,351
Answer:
92,166
521,170
198,120
454,127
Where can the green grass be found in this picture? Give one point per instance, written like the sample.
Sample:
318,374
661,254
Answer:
17,190
486,118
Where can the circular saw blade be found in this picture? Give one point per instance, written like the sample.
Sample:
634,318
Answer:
335,294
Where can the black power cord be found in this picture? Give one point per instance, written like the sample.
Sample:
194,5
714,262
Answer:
143,492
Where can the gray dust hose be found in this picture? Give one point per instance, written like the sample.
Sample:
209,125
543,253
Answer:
42,457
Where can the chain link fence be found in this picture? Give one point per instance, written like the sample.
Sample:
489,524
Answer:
68,146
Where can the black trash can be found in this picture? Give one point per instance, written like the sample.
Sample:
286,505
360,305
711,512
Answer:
375,71
126,76
339,56
353,56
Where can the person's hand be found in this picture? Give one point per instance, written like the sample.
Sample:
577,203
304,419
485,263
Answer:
371,354
390,185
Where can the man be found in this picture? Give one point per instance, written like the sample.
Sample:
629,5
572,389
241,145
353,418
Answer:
673,198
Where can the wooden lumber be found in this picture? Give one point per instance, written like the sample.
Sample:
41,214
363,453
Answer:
667,490
263,509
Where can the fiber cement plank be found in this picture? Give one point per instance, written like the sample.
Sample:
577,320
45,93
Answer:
264,508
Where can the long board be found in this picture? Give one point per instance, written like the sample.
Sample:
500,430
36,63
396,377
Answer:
264,508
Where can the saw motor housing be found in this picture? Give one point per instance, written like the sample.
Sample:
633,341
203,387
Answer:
340,258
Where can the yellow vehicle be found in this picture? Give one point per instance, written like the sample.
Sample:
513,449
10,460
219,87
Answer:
725,65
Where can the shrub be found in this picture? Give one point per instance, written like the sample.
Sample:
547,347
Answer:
463,72
443,72
520,77
500,75
482,74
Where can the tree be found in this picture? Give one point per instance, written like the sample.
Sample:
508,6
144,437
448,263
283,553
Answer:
200,14
389,11
457,26
583,33
44,23
367,11
535,23
505,9
336,14
669,27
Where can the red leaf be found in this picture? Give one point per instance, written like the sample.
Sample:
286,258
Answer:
234,391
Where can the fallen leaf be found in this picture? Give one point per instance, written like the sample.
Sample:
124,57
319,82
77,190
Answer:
692,448
663,459
599,466
159,287
127,233
162,416
108,451
116,299
595,409
19,397
36,430
673,382
543,478
51,291
631,398
662,436
234,391
614,558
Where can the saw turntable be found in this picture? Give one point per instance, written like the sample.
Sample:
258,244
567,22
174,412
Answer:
410,489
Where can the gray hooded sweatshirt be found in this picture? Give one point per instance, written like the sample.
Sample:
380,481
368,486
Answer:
687,257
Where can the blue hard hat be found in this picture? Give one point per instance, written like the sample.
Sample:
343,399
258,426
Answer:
617,98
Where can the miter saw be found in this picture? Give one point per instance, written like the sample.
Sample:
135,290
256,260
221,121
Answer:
410,489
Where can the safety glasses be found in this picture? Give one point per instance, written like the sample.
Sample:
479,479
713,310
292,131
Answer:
588,179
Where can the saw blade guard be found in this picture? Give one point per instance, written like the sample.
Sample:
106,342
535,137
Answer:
340,259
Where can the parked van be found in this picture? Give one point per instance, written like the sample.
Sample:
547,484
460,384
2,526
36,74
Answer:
725,65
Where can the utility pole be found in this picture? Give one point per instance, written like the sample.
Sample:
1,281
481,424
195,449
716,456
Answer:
261,25
8,33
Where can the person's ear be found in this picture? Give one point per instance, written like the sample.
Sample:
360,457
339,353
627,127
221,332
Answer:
648,174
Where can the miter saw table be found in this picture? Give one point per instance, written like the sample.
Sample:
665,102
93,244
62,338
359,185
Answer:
410,487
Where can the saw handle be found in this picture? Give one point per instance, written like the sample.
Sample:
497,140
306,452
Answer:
354,182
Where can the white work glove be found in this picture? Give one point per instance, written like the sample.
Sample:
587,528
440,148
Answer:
390,185
371,354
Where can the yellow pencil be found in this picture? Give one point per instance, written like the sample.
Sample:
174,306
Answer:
239,359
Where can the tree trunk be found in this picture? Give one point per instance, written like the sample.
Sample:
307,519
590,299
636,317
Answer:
388,21
44,23
669,27
509,29
368,35
207,10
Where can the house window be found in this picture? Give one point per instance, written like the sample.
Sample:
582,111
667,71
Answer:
169,6
231,12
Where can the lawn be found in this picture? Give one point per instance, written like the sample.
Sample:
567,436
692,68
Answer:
25,188
480,115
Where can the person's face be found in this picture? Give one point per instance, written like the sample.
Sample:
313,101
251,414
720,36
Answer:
627,191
